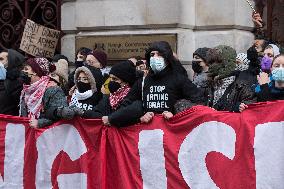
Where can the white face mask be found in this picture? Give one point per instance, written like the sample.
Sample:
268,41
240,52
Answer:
157,64
2,71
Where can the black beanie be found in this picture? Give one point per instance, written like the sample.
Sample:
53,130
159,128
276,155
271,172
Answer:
202,53
125,71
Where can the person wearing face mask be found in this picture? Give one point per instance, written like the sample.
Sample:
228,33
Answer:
164,85
80,58
42,100
200,67
11,63
269,53
272,88
86,95
113,108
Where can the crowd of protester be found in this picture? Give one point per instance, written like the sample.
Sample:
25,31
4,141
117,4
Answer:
136,89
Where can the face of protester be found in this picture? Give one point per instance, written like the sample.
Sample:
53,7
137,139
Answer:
4,58
258,45
278,63
83,78
81,57
202,63
31,74
269,53
54,76
92,61
117,80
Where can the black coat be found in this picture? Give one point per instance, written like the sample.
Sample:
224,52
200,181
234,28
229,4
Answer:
268,92
127,113
240,91
11,87
162,90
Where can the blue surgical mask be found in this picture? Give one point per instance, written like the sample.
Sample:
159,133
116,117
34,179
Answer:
157,64
3,72
278,74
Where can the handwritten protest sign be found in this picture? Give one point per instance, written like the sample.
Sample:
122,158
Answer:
38,40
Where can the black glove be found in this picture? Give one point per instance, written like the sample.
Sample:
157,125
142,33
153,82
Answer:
65,113
78,111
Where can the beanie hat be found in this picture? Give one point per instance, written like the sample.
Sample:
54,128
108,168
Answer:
101,56
125,71
227,63
40,66
62,69
202,53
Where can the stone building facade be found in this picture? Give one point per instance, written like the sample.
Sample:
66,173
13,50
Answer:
195,23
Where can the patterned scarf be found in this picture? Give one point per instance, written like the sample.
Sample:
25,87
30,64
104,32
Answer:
220,88
116,97
32,96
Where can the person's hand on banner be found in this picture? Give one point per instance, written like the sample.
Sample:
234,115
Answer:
263,78
167,114
147,117
33,123
242,107
105,120
256,18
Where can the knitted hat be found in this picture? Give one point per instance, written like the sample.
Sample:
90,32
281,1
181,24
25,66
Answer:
62,69
227,63
101,56
202,53
39,65
125,71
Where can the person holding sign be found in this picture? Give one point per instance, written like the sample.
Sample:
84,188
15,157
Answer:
42,100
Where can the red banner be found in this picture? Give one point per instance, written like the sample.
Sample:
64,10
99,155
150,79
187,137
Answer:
199,148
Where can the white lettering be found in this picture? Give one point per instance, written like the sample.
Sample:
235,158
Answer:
207,137
152,160
61,138
269,155
14,157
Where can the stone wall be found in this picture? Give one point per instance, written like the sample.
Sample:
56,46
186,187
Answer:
197,23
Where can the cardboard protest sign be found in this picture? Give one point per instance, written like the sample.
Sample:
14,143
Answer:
38,40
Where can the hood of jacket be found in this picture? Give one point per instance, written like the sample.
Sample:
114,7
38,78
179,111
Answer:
88,74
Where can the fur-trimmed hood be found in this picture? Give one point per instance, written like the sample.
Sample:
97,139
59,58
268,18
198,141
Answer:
88,74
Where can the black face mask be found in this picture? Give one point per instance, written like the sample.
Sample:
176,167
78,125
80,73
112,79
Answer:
113,86
83,87
79,64
24,77
196,67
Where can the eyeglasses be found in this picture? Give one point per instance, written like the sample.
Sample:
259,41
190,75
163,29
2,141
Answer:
83,79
